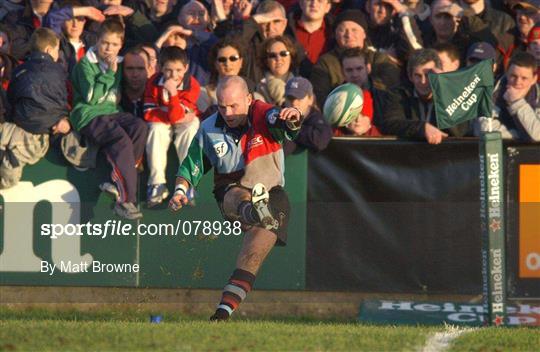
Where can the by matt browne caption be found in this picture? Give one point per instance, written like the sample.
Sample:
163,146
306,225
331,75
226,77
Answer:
120,228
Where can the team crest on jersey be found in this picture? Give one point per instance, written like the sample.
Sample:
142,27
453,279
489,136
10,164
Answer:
272,116
221,148
255,142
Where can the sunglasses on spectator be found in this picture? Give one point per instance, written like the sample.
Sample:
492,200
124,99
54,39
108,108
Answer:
283,53
232,58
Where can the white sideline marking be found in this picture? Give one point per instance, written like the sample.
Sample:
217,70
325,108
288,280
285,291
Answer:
440,341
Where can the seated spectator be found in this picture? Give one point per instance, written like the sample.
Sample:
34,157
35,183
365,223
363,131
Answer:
225,59
356,70
278,63
408,111
517,101
315,133
37,94
481,51
170,108
96,115
134,77
449,55
533,45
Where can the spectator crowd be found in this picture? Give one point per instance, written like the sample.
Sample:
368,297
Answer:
131,77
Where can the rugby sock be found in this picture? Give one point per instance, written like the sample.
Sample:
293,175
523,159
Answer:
240,283
247,213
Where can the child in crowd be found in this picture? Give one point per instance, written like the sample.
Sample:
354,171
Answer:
38,97
170,106
96,114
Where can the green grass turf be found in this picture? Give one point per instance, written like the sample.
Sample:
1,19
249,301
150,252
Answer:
121,330
498,340
131,331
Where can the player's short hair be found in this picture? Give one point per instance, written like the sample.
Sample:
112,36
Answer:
523,59
269,6
172,53
43,38
111,26
233,80
422,57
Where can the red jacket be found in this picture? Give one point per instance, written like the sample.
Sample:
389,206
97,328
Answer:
160,107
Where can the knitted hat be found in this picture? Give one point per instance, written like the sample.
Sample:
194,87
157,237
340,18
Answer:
355,16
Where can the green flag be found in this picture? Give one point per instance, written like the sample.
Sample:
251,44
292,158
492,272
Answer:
462,95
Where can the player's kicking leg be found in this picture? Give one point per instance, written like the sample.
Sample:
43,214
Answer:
254,209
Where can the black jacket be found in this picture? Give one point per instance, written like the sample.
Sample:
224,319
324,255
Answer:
314,135
37,93
400,114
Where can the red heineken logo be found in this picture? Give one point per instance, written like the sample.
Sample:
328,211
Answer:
495,225
498,320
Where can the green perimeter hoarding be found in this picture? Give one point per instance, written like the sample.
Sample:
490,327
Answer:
51,192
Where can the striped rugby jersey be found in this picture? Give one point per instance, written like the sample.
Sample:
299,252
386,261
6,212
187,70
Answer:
248,155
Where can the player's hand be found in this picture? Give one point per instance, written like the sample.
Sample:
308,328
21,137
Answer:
89,12
171,86
513,94
178,200
433,134
120,10
61,127
290,114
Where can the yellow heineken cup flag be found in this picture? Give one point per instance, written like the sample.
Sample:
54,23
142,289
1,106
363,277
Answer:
462,95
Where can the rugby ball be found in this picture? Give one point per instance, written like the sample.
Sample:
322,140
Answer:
343,105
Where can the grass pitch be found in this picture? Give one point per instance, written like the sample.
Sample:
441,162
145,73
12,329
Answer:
39,330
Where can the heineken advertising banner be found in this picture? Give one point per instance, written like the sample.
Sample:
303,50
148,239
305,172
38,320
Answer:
462,95
492,227
435,313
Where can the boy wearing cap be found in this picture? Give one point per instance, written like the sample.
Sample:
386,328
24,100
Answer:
315,133
482,51
517,101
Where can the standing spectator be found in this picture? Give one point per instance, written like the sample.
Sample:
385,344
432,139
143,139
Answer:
96,114
350,32
313,27
170,108
315,133
37,94
533,45
269,21
517,101
392,28
278,63
408,112
146,24
527,13
135,75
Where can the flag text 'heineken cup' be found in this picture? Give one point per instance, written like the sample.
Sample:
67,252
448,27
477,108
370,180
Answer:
462,95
